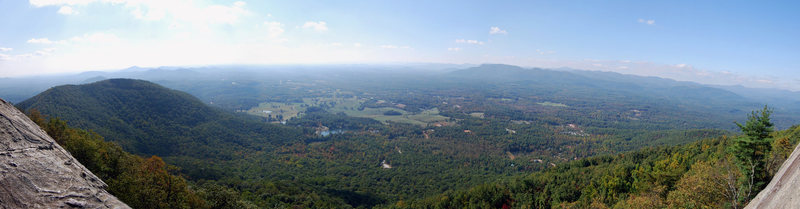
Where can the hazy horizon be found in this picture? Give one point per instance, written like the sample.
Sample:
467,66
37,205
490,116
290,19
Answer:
418,66
722,43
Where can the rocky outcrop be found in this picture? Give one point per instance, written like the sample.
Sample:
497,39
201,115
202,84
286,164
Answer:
35,172
784,189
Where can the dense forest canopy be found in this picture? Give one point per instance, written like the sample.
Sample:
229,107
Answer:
483,137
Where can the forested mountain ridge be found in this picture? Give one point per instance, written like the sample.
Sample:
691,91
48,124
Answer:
149,119
140,182
691,102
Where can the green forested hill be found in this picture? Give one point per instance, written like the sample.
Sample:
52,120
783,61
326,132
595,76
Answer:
148,119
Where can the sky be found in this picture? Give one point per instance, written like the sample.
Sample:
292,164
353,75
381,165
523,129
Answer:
750,43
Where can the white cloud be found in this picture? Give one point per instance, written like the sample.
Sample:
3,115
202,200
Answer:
389,46
27,56
241,45
542,52
497,30
463,41
274,29
44,41
42,3
157,10
649,22
96,38
93,38
187,11
455,49
185,40
317,26
67,10
39,41
765,81
218,14
4,49
45,52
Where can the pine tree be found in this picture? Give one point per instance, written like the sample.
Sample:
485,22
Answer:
751,151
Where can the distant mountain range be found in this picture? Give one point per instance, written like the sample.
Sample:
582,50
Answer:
212,84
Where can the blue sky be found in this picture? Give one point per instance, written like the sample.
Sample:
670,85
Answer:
753,43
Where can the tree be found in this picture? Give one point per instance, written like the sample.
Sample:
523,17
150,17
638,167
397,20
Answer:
392,112
140,183
781,149
752,149
703,186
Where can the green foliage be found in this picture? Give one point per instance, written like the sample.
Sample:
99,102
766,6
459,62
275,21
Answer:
696,175
220,197
758,124
703,186
147,119
752,149
392,112
141,183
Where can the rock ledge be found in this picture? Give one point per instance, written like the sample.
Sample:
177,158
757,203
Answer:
35,172
784,189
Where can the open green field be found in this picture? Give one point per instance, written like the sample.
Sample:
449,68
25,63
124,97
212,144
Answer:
552,104
277,110
349,106
477,114
422,118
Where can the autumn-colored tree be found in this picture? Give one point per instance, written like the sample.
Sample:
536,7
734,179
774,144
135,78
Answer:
702,187
781,149
647,200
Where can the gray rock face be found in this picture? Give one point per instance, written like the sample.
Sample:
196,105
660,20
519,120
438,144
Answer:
784,189
35,172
